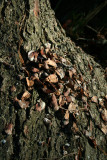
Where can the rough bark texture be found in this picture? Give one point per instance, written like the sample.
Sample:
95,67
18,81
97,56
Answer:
24,27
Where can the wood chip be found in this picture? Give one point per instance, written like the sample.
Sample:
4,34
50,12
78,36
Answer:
75,128
60,72
35,70
9,128
66,116
51,63
101,102
26,95
52,78
54,102
30,83
72,107
60,99
104,114
70,74
13,89
104,129
25,130
32,55
67,92
23,103
38,107
66,122
94,99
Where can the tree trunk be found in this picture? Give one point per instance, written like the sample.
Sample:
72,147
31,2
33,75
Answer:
28,25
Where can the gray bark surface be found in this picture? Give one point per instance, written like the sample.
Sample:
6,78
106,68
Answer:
22,30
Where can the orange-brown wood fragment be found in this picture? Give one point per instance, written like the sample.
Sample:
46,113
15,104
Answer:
20,56
36,8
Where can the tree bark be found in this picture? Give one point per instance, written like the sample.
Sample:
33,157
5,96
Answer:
28,25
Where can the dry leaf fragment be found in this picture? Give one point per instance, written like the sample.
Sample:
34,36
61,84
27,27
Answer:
42,52
94,99
22,103
60,99
35,56
38,108
32,55
13,89
66,122
51,63
46,90
67,92
84,99
52,78
54,102
84,87
46,65
48,46
88,133
75,128
79,82
30,83
65,62
76,87
104,114
35,76
81,78
70,73
90,67
86,93
66,116
104,129
101,102
72,107
67,145
9,128
40,65
35,70
25,130
60,72
26,95
47,121
61,86
57,92
73,70
70,99
30,88
41,104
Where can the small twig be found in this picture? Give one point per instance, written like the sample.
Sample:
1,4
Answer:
89,27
